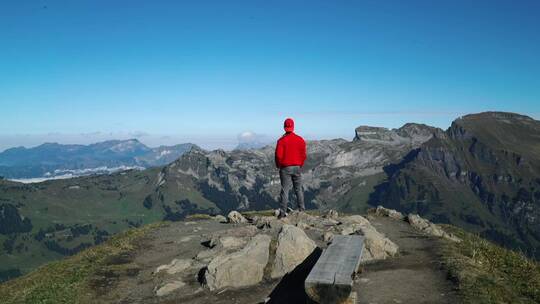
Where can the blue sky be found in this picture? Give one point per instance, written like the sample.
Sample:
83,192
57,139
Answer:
206,71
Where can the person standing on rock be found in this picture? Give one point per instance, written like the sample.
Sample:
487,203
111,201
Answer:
290,157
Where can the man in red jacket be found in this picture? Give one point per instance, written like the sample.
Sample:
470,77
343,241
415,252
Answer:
290,157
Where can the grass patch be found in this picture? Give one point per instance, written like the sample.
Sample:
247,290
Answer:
487,273
73,280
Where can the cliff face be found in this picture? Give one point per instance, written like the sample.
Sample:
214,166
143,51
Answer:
483,174
408,134
249,180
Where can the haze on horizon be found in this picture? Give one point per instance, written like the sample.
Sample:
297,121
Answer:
206,72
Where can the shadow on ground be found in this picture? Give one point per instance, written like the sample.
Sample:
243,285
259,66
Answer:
291,287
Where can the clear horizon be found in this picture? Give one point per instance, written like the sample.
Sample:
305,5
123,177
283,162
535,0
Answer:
206,72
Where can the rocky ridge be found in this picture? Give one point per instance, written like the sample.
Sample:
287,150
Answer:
265,249
248,180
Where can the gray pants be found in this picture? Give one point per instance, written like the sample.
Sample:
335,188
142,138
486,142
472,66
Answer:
291,176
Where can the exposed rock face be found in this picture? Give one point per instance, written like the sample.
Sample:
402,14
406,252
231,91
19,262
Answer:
292,248
236,218
238,232
305,220
168,288
225,241
176,266
241,268
409,134
355,219
328,236
429,228
268,222
331,214
376,245
220,218
230,242
244,255
381,211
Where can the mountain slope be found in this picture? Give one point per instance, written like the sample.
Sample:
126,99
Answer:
482,174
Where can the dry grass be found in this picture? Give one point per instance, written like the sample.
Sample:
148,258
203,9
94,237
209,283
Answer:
487,273
72,280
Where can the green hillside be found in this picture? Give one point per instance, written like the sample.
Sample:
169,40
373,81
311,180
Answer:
61,217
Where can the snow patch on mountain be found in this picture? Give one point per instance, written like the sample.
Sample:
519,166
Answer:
67,173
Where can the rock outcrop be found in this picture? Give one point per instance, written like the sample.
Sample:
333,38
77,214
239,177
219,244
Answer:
381,211
168,288
269,248
408,134
429,228
220,218
293,247
241,268
236,218
176,266
377,245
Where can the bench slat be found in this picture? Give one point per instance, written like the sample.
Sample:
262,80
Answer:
330,280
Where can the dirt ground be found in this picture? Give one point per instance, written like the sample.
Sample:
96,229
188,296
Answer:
412,277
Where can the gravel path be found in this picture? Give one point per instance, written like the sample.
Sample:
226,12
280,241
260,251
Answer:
412,277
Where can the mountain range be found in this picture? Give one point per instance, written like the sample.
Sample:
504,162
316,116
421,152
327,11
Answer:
482,174
53,159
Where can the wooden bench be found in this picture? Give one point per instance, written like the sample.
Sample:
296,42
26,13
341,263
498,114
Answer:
331,279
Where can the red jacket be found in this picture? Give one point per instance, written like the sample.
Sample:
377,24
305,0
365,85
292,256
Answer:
290,150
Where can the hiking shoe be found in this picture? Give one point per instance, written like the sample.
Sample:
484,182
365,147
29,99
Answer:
282,215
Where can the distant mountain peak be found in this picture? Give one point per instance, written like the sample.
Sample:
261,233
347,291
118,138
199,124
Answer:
494,115
36,162
410,133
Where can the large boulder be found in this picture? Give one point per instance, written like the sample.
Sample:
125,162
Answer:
241,268
376,245
428,227
235,217
238,232
168,288
332,214
351,224
229,242
175,266
220,218
381,211
293,247
267,222
355,219
303,219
